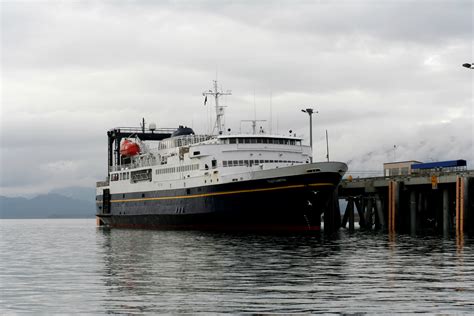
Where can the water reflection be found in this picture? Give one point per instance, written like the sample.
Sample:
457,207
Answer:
64,266
189,272
164,270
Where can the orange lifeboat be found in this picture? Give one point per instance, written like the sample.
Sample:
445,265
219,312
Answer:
128,148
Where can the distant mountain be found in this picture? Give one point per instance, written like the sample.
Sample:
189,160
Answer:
50,205
78,193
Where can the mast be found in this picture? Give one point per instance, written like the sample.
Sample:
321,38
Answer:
220,125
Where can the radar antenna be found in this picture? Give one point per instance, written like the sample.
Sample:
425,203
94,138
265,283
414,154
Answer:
220,125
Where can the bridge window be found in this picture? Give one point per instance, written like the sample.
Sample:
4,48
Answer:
232,141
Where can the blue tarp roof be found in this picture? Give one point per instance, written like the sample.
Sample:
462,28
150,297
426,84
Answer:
440,164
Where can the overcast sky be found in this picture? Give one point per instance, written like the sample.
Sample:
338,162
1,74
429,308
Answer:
380,73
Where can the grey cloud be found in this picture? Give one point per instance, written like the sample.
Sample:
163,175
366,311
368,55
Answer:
380,73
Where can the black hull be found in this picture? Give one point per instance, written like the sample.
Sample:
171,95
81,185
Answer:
283,204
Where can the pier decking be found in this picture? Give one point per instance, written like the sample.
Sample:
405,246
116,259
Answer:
440,202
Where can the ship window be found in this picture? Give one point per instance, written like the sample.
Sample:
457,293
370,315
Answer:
259,140
224,163
241,140
292,142
281,141
266,161
232,141
253,140
265,140
196,153
241,162
247,140
246,162
229,163
236,162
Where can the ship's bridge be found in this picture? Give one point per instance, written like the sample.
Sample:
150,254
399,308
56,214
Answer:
260,139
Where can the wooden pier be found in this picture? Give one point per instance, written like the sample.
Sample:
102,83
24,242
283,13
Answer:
438,202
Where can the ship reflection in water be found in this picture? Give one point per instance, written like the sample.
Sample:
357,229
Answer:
191,272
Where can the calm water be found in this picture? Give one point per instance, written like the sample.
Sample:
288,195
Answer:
64,266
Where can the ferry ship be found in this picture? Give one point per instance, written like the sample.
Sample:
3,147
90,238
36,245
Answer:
176,179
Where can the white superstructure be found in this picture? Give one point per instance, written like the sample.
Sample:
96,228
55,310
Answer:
200,160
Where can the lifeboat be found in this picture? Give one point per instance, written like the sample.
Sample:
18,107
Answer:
129,148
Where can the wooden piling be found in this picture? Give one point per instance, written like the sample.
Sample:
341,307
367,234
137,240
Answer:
413,224
460,205
345,218
378,205
393,203
446,212
468,206
359,204
351,215
369,213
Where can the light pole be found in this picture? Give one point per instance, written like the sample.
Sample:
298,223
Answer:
310,113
